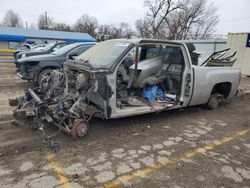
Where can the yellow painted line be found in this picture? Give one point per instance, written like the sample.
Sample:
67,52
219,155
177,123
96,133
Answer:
144,171
58,170
7,50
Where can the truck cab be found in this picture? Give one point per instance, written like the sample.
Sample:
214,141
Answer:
172,69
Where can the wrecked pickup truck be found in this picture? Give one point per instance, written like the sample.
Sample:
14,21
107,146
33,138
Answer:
126,77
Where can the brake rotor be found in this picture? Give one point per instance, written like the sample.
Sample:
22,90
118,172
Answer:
79,129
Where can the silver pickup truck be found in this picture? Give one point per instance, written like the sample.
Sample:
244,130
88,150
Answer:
125,77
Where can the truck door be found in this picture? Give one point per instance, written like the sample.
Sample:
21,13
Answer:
187,78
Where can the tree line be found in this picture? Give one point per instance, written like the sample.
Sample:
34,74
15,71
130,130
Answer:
163,19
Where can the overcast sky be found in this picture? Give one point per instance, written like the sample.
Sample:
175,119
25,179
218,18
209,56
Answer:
234,15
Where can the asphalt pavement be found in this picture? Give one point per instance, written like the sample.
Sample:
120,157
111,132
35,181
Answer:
192,147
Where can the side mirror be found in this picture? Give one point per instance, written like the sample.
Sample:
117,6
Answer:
72,55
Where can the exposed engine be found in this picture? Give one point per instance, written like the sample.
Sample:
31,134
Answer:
62,100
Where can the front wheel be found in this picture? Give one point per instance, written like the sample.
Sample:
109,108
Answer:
42,74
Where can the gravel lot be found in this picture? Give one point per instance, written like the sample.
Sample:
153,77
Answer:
192,147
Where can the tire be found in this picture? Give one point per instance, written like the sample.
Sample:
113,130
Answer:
213,102
42,74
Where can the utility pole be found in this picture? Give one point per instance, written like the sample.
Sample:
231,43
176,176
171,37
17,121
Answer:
26,23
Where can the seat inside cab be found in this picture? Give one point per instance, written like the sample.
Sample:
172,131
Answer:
155,80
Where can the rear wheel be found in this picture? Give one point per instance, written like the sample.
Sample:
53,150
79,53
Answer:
213,102
42,74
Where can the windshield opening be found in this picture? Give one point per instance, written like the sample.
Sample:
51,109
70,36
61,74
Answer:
104,53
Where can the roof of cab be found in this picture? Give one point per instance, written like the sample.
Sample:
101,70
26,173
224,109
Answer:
145,40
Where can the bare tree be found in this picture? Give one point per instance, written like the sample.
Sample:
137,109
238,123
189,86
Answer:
12,19
194,20
122,30
87,24
170,19
143,28
112,31
45,22
208,21
61,27
104,32
180,22
158,10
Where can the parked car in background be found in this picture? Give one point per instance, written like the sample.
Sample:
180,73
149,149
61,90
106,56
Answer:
38,46
28,47
46,50
35,67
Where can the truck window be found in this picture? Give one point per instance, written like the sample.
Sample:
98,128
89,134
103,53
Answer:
152,52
